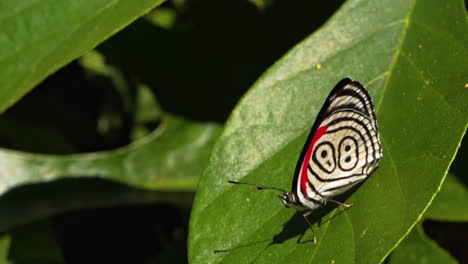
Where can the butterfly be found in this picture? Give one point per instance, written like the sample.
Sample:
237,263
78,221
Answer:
343,148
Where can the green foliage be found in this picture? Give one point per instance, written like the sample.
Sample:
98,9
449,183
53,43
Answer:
4,246
160,166
398,49
182,143
40,37
139,144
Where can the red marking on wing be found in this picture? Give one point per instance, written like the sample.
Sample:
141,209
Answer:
318,134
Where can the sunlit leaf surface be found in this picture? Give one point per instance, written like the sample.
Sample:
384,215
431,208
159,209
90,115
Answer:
39,37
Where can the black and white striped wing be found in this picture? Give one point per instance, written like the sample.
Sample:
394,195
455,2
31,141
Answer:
343,147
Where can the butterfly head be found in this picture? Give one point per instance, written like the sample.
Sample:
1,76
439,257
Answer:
289,199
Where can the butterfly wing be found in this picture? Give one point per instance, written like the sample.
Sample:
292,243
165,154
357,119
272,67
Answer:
343,147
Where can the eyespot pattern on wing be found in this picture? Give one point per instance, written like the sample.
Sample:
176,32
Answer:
343,147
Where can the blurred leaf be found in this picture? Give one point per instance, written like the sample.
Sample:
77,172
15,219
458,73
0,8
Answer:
262,4
398,50
148,110
451,203
144,107
95,64
5,242
37,38
171,159
416,248
163,17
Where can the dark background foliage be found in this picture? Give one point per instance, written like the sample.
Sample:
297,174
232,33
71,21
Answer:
198,68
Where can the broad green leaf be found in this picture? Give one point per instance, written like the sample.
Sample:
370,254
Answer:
38,37
409,55
416,248
170,159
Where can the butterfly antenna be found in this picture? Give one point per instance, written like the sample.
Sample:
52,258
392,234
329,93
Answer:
258,186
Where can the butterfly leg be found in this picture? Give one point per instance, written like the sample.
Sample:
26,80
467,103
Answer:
305,215
339,203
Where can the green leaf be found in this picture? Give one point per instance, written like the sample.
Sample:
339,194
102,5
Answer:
171,159
147,111
416,248
38,37
399,51
5,242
